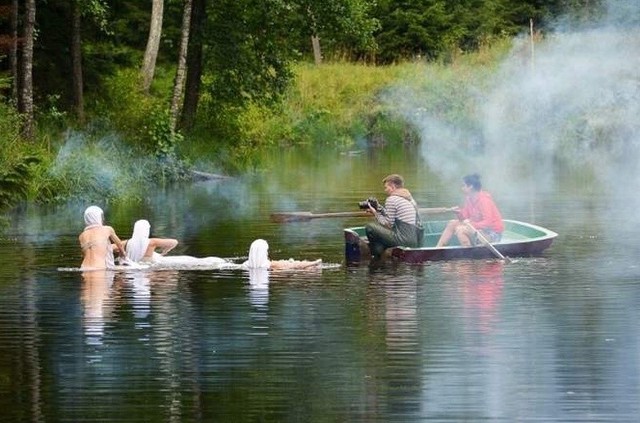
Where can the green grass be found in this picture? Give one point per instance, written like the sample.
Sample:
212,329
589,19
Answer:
336,104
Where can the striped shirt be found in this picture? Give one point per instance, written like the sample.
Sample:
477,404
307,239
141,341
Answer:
399,208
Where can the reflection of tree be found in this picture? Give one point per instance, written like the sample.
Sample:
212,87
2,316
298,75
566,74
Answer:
31,341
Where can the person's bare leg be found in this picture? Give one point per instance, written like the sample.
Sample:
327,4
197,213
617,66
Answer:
447,233
464,236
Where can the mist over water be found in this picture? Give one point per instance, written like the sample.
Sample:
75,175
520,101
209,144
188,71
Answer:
569,103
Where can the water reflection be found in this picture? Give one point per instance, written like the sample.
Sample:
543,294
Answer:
546,339
480,286
259,299
96,287
394,385
141,297
259,288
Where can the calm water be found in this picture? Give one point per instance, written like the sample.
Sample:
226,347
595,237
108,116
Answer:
551,338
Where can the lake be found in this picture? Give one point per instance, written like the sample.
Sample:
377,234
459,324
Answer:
552,338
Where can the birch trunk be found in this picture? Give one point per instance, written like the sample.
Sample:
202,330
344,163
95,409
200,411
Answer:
178,85
153,44
317,53
25,103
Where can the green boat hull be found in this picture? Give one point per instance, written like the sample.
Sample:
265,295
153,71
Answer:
518,239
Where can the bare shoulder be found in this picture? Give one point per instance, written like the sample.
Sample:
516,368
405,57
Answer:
108,229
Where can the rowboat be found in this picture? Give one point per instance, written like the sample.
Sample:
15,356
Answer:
518,239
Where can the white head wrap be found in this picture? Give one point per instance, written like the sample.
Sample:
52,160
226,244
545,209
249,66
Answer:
258,255
137,245
93,216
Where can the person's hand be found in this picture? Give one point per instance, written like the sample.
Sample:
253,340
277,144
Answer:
371,209
455,209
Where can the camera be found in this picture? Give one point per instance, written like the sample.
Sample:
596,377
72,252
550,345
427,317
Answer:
371,201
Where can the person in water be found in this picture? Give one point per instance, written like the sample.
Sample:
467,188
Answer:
96,241
478,213
259,259
142,248
398,222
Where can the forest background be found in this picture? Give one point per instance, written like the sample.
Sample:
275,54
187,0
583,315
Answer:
89,87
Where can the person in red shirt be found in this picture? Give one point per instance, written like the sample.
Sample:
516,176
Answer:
479,210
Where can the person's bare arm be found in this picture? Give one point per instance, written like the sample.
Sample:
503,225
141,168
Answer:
115,249
163,244
119,244
294,264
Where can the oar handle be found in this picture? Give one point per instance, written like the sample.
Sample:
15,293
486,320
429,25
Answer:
486,242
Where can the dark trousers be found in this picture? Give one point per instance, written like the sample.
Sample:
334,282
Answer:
401,234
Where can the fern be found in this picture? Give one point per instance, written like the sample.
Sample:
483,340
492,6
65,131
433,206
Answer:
14,181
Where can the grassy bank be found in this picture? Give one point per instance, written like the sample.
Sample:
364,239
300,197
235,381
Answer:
342,104
128,146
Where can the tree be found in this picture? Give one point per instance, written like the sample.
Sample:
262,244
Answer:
76,60
178,85
194,64
346,26
153,44
25,100
13,53
248,51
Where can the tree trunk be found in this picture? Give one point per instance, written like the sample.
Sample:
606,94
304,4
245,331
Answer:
178,85
315,40
76,60
194,65
25,103
153,44
13,51
317,54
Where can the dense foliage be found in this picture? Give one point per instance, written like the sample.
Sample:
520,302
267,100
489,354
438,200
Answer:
243,57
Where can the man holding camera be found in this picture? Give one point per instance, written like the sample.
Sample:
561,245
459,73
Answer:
398,222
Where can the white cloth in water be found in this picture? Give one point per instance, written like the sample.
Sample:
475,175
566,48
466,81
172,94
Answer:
137,245
258,255
139,242
187,261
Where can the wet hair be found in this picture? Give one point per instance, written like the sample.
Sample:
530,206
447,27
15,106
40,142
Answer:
394,179
473,181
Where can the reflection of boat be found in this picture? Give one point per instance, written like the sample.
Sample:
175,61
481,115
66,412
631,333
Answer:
518,239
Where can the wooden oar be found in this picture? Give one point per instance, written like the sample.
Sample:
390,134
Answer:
305,215
486,243
302,216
